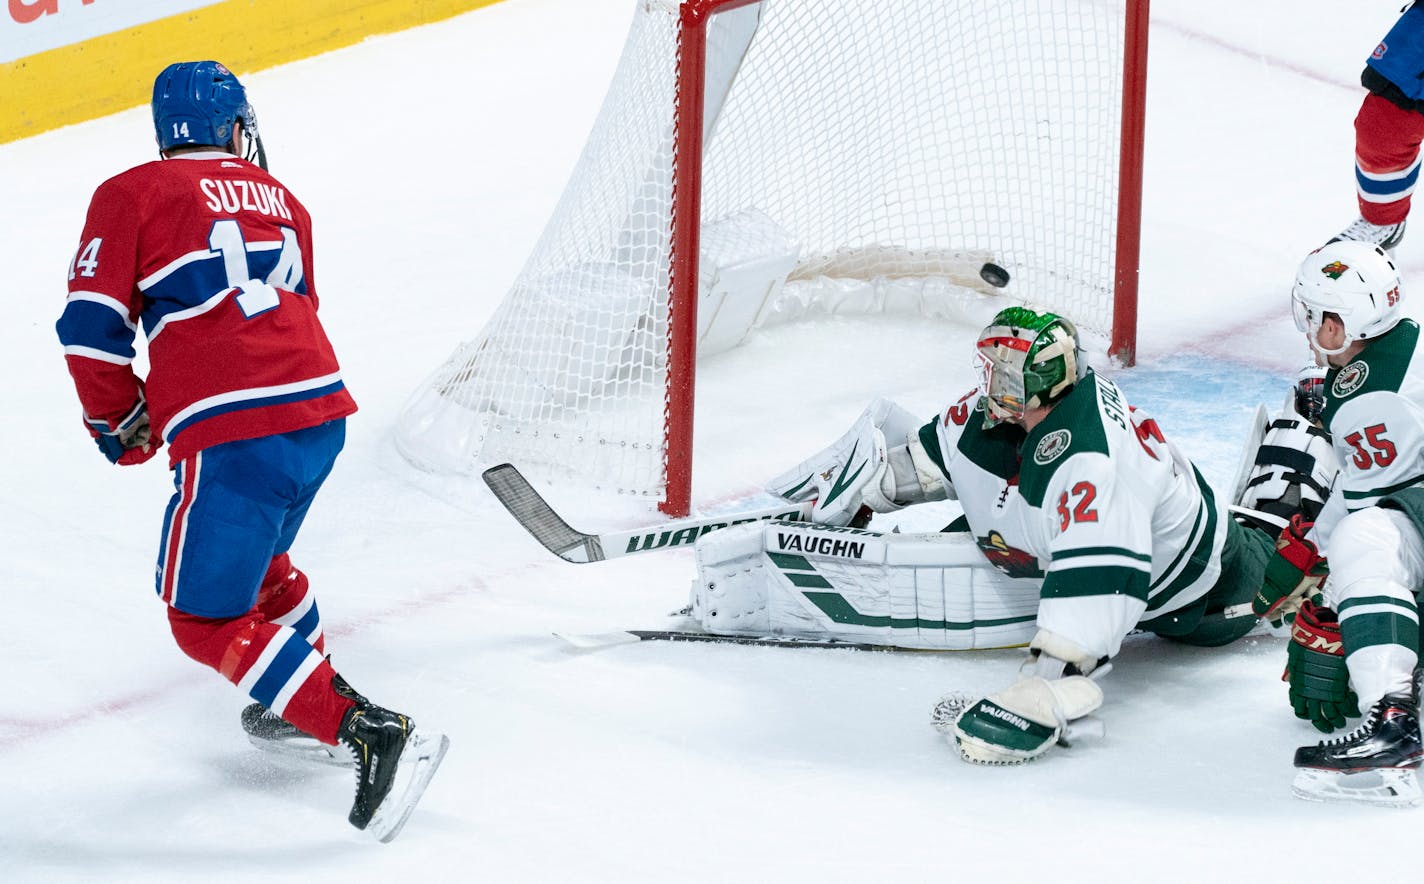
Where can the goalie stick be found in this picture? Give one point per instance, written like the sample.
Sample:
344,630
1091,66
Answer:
539,519
593,641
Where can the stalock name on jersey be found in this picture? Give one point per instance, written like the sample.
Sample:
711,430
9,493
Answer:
237,195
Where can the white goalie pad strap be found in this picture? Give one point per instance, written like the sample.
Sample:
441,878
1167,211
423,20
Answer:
854,470
1289,469
933,591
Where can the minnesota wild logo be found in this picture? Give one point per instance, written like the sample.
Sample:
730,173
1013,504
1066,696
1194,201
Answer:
1334,269
1350,379
1052,446
1011,560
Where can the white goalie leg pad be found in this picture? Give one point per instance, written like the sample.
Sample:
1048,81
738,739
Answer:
1288,467
1024,720
932,591
854,470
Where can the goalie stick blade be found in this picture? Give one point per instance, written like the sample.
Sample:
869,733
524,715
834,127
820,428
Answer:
529,509
592,641
538,518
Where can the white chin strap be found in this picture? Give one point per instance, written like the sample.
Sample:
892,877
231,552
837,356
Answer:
1314,338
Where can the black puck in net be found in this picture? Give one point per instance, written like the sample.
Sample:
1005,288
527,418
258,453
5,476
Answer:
994,275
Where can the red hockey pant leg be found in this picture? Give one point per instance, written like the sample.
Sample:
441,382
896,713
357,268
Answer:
1387,139
274,664
285,598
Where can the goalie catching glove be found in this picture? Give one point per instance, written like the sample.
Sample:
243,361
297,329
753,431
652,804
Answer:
1315,668
1293,574
1028,718
1024,720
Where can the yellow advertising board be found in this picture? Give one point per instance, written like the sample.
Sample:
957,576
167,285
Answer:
65,61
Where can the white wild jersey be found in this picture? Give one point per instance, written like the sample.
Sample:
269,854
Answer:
1119,521
1374,409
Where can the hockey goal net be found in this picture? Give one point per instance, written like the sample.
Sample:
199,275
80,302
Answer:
759,159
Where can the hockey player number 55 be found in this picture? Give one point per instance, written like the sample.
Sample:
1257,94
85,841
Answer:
1380,451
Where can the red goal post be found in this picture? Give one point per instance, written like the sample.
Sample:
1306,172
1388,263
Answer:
761,159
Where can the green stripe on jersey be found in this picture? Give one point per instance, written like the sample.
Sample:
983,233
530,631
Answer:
1381,492
1372,630
1396,601
1097,580
1060,555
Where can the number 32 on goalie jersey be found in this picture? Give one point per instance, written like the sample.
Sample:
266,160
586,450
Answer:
1081,509
1077,504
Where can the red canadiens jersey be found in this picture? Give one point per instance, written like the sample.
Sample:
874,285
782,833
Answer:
213,257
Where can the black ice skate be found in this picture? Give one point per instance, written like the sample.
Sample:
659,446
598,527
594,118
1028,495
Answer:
1386,236
1373,764
394,764
270,733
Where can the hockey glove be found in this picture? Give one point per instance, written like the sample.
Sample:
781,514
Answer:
1024,720
1293,574
1315,668
130,441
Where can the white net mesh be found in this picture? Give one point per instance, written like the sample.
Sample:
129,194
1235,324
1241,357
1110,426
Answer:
861,141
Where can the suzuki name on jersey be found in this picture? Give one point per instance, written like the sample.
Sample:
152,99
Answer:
237,195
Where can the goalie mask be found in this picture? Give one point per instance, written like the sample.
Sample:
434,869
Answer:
1026,359
1357,282
197,103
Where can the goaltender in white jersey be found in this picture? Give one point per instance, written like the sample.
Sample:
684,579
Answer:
1098,526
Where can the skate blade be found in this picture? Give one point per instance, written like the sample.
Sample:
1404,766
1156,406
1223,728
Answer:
418,762
1384,787
305,750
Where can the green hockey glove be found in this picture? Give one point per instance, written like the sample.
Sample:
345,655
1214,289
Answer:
1293,574
1315,667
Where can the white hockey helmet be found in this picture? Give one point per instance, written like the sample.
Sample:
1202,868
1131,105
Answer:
1357,282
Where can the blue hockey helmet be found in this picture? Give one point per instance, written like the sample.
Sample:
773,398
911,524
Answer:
197,102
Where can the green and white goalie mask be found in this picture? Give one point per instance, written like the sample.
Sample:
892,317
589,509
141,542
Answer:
1026,359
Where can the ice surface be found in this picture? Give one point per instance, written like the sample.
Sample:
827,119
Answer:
430,160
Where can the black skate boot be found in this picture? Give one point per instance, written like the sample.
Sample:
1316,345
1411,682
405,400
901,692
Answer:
270,733
1373,764
394,764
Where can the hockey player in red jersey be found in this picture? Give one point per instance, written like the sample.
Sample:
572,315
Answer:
212,257
1388,130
